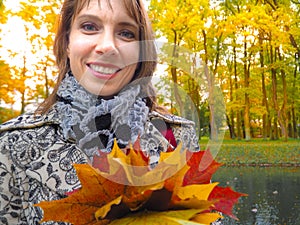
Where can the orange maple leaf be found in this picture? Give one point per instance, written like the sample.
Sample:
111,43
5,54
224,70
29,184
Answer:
95,199
96,191
125,184
99,193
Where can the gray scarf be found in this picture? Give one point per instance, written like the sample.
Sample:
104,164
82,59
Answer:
93,123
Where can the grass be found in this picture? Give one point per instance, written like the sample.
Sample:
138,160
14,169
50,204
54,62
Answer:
257,152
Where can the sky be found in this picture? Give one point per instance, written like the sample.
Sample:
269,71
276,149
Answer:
12,4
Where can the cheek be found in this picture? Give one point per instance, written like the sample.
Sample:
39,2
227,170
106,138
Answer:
78,46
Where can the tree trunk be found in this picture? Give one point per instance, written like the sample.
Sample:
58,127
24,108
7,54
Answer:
236,86
211,101
230,125
174,75
195,91
175,88
231,114
295,129
269,126
274,93
23,88
290,125
294,120
247,101
265,104
283,120
276,133
211,82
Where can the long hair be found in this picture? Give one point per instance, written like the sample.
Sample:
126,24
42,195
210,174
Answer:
147,55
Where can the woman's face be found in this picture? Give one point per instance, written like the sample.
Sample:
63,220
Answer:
104,49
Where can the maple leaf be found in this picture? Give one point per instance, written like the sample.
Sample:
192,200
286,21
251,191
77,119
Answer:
202,167
96,191
124,183
225,199
95,198
173,217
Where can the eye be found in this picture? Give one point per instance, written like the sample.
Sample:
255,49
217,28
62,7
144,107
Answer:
126,34
88,27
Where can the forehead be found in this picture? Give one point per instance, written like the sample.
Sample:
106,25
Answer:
128,5
85,3
101,8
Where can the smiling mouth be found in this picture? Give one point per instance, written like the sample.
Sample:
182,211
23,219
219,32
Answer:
104,70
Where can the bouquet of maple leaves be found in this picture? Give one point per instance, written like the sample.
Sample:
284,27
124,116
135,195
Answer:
120,188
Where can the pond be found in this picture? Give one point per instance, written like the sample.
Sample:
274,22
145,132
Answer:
273,194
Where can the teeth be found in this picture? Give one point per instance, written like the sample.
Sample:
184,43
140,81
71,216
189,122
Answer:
104,70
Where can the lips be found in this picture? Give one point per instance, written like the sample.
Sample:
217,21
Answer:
104,69
104,72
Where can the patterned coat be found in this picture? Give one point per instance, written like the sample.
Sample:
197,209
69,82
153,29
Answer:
36,161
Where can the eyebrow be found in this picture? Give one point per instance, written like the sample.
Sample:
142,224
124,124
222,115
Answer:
122,23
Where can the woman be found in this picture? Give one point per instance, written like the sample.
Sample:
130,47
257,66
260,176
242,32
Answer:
106,57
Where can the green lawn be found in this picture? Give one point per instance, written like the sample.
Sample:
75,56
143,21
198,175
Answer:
258,152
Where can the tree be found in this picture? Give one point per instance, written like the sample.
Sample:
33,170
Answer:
265,51
185,24
35,72
2,14
6,83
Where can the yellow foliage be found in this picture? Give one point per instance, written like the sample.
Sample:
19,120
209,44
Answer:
100,196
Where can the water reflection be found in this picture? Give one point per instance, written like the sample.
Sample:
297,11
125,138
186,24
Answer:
274,194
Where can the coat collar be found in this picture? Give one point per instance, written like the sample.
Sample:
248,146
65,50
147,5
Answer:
31,120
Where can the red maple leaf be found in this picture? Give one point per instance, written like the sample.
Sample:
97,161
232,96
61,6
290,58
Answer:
225,199
202,167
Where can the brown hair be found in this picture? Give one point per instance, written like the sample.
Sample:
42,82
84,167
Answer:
147,63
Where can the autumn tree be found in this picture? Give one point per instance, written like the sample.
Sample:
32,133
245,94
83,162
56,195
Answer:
6,93
249,49
183,23
264,51
2,13
6,81
42,41
33,67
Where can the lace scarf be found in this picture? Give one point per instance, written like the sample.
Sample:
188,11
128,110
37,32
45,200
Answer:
93,123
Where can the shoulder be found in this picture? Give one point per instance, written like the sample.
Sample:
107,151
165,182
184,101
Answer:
22,131
171,119
30,120
176,129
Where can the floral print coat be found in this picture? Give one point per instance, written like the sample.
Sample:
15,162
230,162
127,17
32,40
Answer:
36,161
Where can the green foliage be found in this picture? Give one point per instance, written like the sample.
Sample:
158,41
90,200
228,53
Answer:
258,152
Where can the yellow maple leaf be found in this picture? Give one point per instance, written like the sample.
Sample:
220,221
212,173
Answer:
122,190
206,218
95,199
198,191
174,217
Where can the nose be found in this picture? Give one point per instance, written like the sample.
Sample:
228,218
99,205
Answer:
106,44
